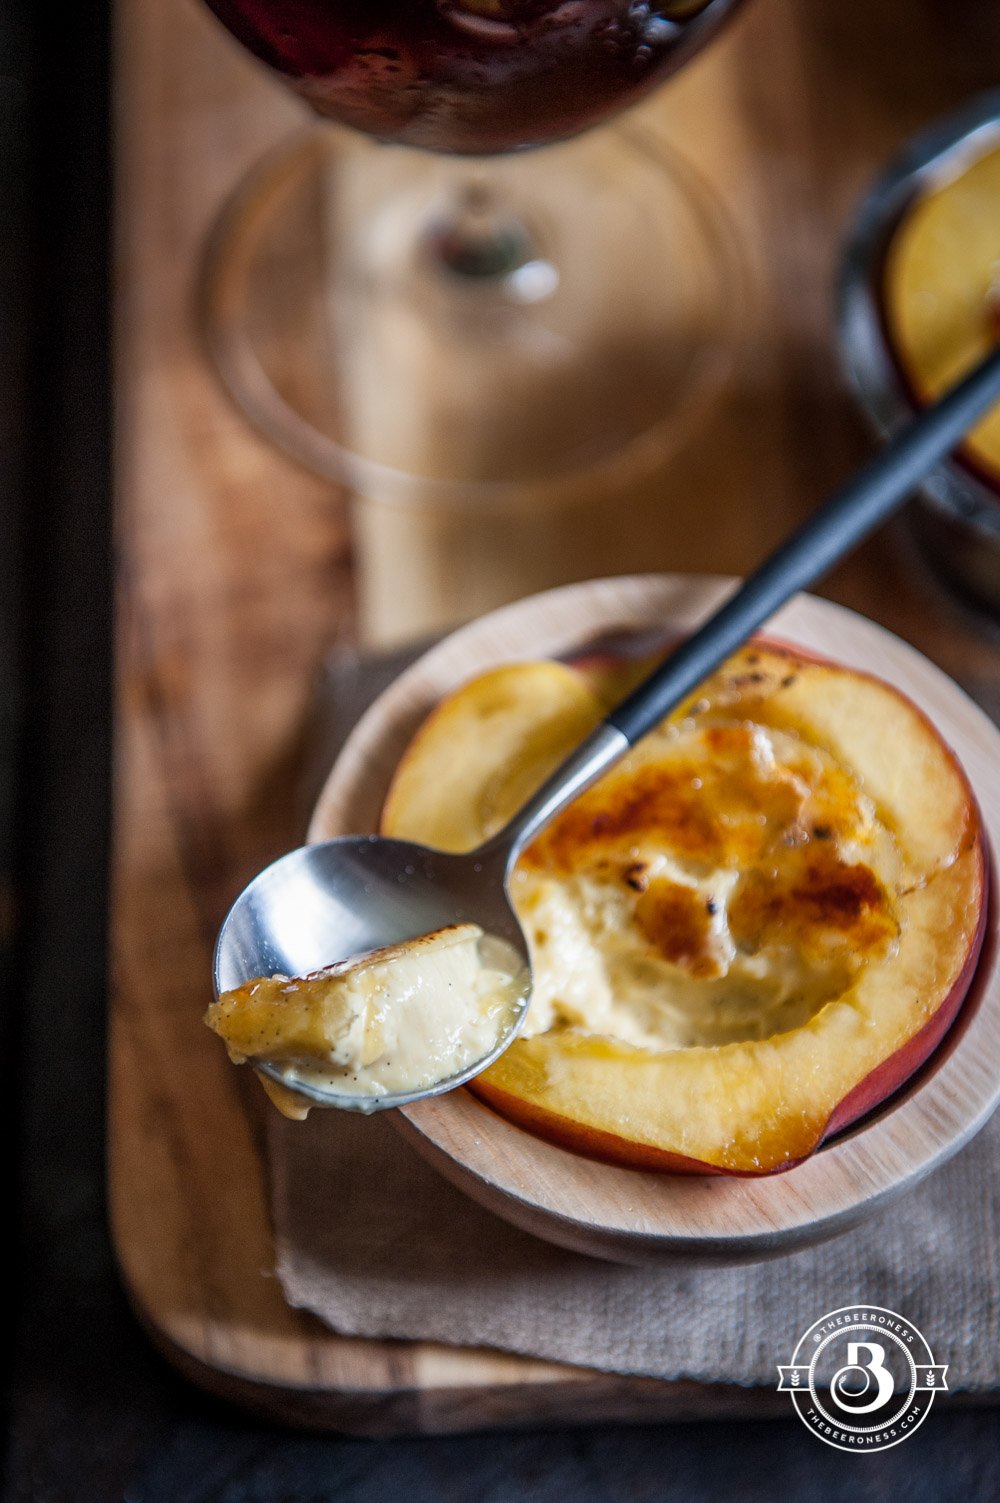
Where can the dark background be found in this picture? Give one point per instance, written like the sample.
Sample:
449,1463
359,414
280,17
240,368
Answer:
93,1411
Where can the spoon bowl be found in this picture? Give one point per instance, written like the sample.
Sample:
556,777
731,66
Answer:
340,898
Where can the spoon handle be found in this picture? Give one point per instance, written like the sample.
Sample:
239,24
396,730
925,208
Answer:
824,538
811,551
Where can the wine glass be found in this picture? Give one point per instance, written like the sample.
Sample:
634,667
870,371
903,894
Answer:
473,323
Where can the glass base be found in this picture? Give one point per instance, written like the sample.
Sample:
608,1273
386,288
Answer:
426,328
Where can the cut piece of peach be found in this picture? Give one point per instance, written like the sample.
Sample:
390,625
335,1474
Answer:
485,749
747,935
940,291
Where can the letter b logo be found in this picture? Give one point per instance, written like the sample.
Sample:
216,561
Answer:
862,1387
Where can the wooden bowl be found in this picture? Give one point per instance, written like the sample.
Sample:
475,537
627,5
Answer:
632,1216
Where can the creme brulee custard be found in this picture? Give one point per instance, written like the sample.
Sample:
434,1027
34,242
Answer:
723,883
395,1020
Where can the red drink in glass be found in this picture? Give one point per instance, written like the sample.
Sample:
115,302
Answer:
476,76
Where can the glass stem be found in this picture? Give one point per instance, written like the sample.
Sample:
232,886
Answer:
478,237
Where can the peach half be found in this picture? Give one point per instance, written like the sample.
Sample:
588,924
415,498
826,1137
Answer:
747,935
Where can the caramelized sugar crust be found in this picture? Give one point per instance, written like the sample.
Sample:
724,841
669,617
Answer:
729,798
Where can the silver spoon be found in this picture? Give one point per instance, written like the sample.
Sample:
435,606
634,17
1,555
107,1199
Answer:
330,901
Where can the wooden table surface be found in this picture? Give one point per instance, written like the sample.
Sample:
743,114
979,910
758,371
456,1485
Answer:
235,576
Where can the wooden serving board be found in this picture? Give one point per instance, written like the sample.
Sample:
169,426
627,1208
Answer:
236,578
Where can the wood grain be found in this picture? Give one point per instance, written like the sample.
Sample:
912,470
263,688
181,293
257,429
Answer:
235,578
